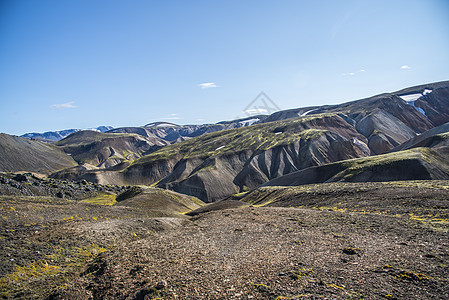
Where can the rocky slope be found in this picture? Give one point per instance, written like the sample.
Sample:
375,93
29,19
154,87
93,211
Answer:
418,163
389,119
435,137
425,157
28,184
20,154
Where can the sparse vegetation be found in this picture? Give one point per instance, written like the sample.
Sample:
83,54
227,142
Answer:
102,199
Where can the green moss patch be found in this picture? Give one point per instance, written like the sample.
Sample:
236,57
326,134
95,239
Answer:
102,199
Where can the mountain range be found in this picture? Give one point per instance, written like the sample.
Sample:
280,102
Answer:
391,136
52,136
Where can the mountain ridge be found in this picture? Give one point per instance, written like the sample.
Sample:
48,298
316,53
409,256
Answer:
53,136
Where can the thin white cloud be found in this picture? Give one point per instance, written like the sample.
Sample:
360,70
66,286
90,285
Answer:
207,85
255,111
200,120
172,117
64,105
405,67
353,73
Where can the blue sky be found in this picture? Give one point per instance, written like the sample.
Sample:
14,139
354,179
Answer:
79,64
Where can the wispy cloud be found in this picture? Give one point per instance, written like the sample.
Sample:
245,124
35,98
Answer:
70,104
172,117
405,67
207,85
353,73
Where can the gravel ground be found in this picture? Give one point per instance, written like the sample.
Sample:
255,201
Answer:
275,253
370,241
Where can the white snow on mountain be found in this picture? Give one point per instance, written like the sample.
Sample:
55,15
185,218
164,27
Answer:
249,122
307,112
411,99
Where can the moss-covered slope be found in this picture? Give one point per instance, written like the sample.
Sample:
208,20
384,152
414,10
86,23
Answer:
158,202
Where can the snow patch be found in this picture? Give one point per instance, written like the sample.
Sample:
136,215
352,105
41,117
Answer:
410,97
249,122
307,112
278,132
219,148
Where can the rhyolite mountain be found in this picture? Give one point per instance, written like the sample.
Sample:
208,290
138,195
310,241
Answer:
435,137
20,154
53,136
388,120
331,142
105,150
414,164
424,157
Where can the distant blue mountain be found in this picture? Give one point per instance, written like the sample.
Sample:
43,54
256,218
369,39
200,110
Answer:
54,136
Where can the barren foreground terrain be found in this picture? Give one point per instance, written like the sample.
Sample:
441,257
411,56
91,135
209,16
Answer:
336,241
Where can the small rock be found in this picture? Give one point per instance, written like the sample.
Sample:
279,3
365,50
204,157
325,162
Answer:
161,284
350,251
21,178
